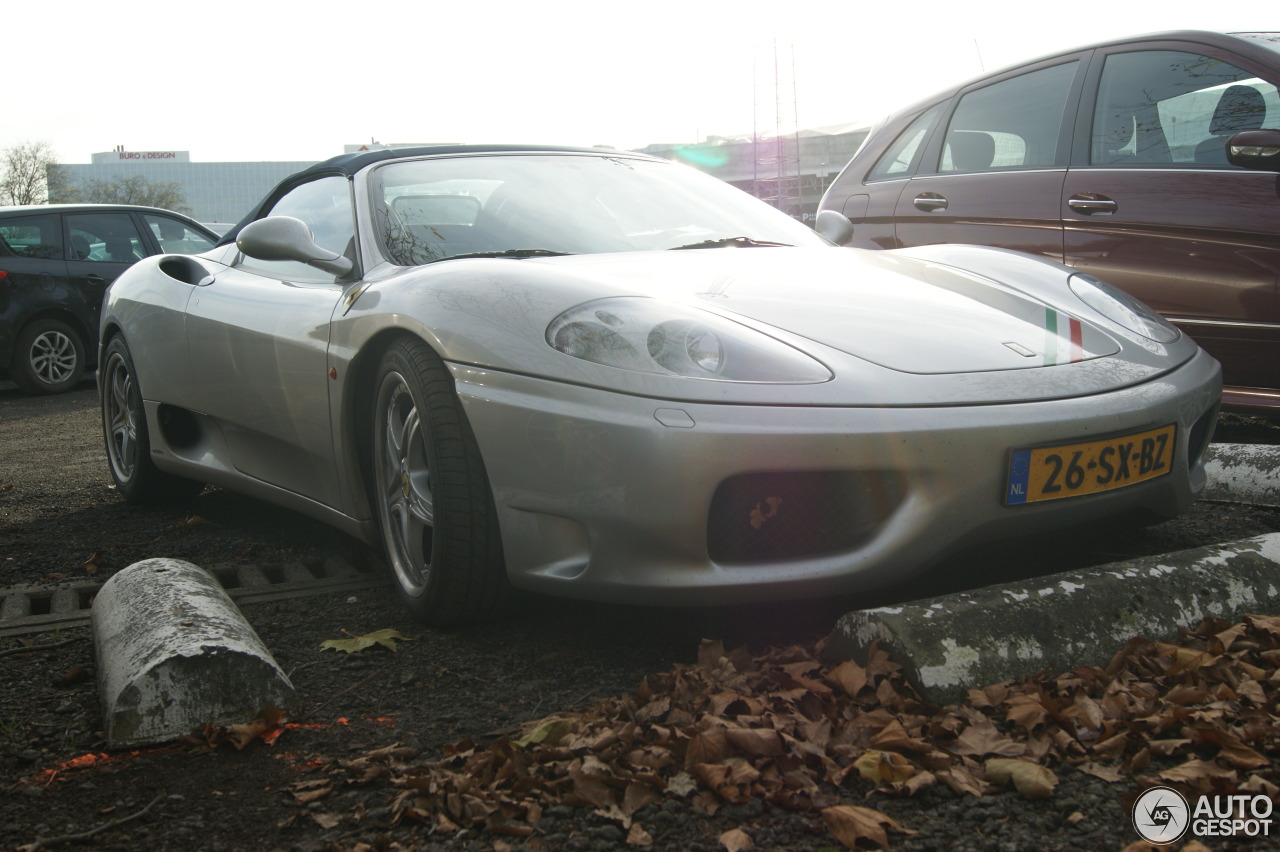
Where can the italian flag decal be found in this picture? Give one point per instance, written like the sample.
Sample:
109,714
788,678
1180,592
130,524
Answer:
1063,338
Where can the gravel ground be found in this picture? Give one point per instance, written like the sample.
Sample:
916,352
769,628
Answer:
439,690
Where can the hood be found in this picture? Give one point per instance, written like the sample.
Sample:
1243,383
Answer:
906,314
892,328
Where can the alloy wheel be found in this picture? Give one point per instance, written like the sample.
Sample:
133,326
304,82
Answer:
404,485
123,409
53,357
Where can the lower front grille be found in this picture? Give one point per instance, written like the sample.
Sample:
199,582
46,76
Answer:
1201,434
778,516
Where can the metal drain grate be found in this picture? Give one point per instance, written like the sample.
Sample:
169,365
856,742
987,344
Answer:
33,609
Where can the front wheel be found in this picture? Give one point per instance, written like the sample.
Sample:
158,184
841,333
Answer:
48,357
435,509
124,427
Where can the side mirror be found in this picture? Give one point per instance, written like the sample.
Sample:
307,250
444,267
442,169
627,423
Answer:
834,226
1255,149
287,238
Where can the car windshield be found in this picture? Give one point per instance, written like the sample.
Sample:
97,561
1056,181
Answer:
530,205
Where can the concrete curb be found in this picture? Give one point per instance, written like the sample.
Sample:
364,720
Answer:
1243,473
953,642
174,653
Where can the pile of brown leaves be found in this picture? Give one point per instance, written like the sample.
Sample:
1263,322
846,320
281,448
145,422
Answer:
789,729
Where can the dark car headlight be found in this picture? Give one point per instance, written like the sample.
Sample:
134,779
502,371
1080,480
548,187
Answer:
1122,309
651,336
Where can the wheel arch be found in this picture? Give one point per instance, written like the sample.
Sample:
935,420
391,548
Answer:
62,314
108,333
360,390
467,567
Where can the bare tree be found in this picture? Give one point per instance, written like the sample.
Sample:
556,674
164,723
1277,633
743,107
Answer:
24,173
134,189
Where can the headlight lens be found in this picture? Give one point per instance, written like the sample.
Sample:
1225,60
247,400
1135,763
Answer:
650,336
1122,309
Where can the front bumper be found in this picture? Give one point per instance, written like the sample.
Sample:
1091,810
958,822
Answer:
623,498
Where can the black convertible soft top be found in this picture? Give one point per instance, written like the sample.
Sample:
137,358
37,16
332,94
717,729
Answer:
347,165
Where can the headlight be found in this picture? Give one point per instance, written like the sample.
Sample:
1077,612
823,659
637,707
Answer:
650,336
1122,309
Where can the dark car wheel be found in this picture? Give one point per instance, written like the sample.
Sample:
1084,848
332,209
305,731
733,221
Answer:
48,357
124,426
435,509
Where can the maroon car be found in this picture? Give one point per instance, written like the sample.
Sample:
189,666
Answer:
1149,162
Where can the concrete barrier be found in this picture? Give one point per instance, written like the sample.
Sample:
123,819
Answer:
953,642
1243,473
174,653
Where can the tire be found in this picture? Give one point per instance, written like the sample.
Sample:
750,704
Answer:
48,357
124,429
435,509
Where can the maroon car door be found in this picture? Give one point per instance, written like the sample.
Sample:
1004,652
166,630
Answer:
1152,206
994,175
871,208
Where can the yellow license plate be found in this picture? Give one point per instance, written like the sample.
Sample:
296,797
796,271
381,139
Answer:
1072,470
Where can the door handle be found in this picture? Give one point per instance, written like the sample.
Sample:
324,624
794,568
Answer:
1088,203
929,202
94,279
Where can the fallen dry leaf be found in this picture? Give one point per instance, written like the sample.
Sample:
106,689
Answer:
637,836
884,767
735,840
247,551
785,728
1199,774
763,742
306,797
979,740
849,676
1032,780
71,676
549,731
681,784
1097,770
850,823
386,638
266,726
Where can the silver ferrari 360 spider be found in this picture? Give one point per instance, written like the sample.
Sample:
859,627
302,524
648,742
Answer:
604,375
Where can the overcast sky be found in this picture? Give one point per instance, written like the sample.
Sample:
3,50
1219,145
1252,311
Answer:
237,80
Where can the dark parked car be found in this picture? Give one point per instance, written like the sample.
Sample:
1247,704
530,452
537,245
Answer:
55,264
1149,162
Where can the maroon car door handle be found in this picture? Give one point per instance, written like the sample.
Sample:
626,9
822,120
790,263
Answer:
930,201
1089,203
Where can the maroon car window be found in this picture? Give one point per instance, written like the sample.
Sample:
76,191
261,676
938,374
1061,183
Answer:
1015,123
897,160
1270,41
1166,107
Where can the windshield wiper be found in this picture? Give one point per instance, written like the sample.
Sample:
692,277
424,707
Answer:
511,253
725,242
